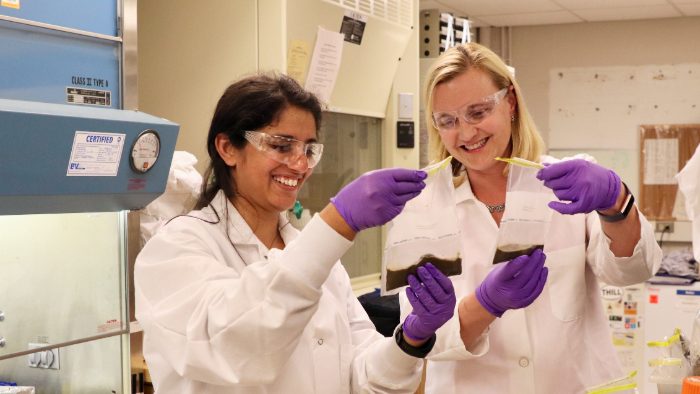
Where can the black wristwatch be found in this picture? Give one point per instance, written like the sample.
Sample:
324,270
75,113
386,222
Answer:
626,208
419,352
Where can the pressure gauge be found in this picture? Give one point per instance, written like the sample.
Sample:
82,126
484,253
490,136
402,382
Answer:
145,151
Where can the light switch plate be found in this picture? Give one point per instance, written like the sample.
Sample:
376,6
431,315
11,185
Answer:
405,105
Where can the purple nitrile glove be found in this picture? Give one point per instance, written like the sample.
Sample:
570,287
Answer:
433,300
587,185
377,196
513,285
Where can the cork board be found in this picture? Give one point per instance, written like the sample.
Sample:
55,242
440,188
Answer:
664,150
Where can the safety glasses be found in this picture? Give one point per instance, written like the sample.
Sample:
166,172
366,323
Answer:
469,113
285,150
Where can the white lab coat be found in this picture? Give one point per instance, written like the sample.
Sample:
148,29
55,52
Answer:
689,184
561,343
248,320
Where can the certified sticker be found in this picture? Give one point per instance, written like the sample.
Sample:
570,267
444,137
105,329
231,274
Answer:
95,154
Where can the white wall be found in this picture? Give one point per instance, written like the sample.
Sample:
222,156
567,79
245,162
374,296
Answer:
407,80
536,50
189,52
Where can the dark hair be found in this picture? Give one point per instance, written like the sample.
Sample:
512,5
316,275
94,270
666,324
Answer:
250,103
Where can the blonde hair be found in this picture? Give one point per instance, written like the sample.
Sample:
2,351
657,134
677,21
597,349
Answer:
526,140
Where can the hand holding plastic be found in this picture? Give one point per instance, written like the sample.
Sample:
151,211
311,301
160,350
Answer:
433,300
513,285
587,185
377,196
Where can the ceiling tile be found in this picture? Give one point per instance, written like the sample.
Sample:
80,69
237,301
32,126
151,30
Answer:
538,18
500,7
689,9
611,14
585,4
535,12
431,4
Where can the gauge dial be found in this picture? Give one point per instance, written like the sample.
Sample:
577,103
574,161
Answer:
145,151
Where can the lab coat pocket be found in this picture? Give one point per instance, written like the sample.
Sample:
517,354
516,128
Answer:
566,282
326,366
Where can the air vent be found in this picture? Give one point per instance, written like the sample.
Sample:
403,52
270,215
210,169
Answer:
394,11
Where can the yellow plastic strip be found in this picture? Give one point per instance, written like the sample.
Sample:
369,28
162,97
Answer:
658,344
520,162
674,338
613,389
435,167
664,362
614,381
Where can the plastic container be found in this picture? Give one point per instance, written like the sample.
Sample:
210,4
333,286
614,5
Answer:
691,385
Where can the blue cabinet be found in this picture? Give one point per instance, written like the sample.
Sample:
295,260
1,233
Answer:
97,16
63,52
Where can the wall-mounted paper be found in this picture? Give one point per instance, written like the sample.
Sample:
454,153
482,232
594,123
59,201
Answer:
325,63
297,60
660,161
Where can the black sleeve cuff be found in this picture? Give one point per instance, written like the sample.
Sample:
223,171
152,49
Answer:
419,352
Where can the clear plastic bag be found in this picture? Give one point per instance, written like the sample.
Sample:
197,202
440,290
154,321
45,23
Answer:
181,193
669,363
426,231
526,219
695,346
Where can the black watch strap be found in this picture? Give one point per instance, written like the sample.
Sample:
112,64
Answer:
626,208
419,352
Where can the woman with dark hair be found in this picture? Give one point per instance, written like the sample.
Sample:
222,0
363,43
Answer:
232,299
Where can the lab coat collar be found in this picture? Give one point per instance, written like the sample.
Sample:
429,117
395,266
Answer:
464,191
239,231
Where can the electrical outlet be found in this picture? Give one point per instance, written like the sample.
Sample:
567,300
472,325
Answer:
47,359
661,226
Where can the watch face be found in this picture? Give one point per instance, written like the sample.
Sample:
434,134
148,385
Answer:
145,151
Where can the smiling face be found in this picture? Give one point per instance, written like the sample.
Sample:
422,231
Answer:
263,184
475,145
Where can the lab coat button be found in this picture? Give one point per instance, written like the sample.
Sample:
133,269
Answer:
320,341
524,362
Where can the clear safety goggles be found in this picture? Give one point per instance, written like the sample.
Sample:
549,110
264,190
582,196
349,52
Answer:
285,150
469,113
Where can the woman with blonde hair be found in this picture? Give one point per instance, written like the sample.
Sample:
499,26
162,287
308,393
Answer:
559,343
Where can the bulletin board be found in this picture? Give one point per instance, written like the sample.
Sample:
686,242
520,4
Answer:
664,150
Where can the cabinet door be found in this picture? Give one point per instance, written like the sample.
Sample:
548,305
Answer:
63,284
63,52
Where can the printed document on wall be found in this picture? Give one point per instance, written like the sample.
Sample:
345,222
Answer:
660,161
325,63
297,59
